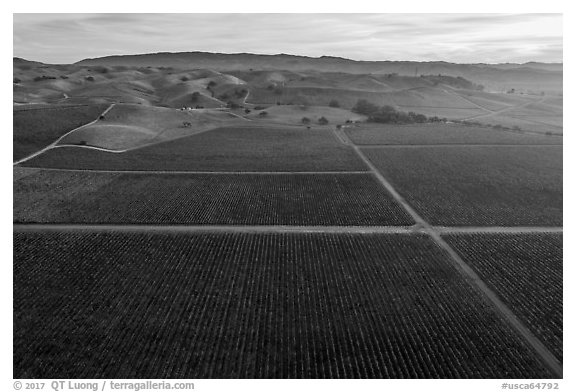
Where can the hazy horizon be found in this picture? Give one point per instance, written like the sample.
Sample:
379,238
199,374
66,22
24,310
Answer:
291,54
455,38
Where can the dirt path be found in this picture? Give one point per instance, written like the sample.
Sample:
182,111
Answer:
497,229
54,144
216,228
279,173
341,137
547,358
376,146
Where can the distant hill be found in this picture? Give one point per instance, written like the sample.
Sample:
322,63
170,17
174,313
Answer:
499,77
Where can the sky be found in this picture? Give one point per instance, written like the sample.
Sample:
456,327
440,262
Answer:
459,38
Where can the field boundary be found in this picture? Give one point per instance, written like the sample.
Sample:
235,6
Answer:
143,172
545,355
21,227
414,229
454,145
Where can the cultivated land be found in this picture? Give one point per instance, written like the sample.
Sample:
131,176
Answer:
307,199
249,305
35,129
482,186
201,230
225,149
129,126
514,265
419,134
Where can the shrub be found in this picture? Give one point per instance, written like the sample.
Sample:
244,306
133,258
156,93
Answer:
16,80
364,107
334,104
43,77
195,96
247,111
322,120
184,78
89,78
263,114
305,120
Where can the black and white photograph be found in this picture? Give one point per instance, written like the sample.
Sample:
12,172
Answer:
275,196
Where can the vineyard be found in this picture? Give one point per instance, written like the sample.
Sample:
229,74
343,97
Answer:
526,271
441,134
37,128
223,149
307,199
252,306
483,186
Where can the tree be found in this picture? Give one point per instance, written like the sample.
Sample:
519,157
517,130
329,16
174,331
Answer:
334,104
263,114
322,120
247,111
305,120
364,107
232,105
194,97
16,80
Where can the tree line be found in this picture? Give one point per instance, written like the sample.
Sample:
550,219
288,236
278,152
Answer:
389,115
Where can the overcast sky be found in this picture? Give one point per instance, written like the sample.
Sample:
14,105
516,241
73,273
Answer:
461,38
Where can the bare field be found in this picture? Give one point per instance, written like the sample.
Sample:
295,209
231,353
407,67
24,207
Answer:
415,134
533,124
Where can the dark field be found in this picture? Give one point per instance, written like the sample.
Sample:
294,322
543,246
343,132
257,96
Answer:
441,134
477,186
35,129
223,149
307,199
126,305
525,270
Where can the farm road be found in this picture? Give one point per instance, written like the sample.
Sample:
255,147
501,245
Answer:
278,173
547,358
283,228
54,144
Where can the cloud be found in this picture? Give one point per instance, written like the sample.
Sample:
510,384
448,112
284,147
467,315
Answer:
64,38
